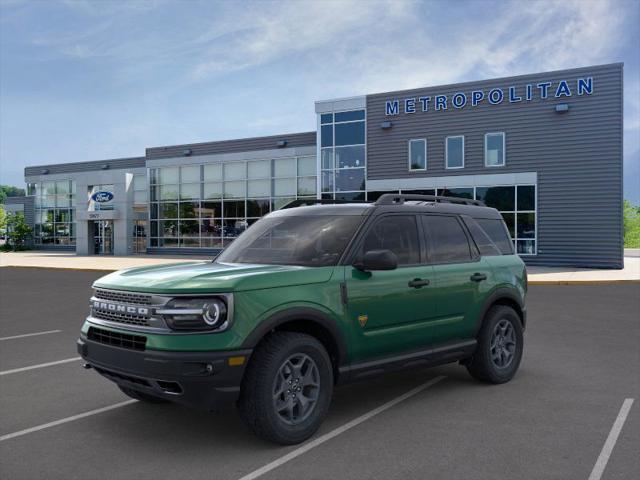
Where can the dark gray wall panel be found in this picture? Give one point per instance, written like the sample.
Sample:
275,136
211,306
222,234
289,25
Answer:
230,146
113,164
577,155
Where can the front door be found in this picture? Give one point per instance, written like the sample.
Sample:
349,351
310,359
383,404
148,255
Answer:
390,311
103,237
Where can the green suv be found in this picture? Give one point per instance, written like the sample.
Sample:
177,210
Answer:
310,297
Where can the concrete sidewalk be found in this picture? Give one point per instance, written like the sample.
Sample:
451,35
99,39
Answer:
69,260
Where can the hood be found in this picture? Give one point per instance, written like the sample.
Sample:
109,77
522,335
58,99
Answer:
208,277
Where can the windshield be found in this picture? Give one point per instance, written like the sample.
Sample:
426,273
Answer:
312,241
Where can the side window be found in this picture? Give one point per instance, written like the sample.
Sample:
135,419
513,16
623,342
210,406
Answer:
449,243
482,240
398,233
497,232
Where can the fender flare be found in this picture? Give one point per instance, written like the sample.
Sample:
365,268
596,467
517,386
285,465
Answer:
300,313
497,295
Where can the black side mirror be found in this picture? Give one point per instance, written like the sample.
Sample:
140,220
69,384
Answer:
377,260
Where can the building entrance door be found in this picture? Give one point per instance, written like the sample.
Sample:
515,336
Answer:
103,237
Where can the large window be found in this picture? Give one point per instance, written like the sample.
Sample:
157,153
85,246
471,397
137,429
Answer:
517,204
494,155
54,212
454,152
208,206
343,155
418,154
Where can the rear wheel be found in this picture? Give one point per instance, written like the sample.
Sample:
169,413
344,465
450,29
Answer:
143,397
500,345
287,388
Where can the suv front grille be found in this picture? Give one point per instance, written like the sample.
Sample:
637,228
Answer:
117,339
123,297
127,318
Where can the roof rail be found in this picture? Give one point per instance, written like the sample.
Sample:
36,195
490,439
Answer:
399,199
301,202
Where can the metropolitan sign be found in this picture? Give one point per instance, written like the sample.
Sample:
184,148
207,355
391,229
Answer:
494,96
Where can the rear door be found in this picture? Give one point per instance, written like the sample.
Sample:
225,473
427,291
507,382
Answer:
389,310
460,275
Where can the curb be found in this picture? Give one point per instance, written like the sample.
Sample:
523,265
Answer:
585,282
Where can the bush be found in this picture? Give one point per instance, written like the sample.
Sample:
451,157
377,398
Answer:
17,231
631,225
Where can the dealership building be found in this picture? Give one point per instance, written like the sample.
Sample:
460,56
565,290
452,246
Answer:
544,149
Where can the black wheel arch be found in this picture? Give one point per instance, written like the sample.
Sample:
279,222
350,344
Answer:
304,320
507,297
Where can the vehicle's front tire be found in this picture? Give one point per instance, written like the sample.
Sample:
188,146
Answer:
500,345
287,388
143,397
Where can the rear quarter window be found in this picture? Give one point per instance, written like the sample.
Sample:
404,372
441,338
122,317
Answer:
497,232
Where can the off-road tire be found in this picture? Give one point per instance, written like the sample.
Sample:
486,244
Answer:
256,404
143,397
481,365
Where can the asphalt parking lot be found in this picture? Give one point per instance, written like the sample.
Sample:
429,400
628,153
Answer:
581,361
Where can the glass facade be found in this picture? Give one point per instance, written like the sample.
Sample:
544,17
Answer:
516,203
343,155
208,206
54,212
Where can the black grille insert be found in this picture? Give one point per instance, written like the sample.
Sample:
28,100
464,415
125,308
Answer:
127,318
123,297
116,339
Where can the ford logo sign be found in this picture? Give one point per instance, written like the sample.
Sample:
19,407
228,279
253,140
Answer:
102,197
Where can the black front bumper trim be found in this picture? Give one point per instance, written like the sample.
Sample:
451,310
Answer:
201,380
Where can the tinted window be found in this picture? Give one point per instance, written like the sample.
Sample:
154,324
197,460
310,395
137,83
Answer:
349,133
500,198
455,152
398,234
349,116
498,233
481,239
313,241
449,243
526,197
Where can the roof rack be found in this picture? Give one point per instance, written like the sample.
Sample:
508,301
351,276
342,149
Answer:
399,199
301,202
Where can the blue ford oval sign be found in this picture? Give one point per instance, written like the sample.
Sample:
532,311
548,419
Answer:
102,197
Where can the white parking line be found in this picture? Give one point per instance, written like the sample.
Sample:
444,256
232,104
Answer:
601,463
29,335
334,433
40,365
65,420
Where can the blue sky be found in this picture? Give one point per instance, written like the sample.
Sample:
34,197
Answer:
88,80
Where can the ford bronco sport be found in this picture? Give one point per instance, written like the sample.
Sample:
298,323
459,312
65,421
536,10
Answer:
310,297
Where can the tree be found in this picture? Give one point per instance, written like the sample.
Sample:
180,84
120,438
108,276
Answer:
10,191
631,225
3,219
17,231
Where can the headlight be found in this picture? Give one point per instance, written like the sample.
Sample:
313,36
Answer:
195,314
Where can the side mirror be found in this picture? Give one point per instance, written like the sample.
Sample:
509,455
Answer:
377,260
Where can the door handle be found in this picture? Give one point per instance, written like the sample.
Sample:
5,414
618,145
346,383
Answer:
477,277
418,282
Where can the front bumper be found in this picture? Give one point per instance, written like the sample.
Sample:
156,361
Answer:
202,380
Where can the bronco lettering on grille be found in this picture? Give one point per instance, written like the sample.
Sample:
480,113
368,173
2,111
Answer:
114,307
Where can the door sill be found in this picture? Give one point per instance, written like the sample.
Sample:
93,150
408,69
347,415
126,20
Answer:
436,355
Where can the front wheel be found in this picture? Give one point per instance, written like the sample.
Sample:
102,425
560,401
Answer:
287,388
500,345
